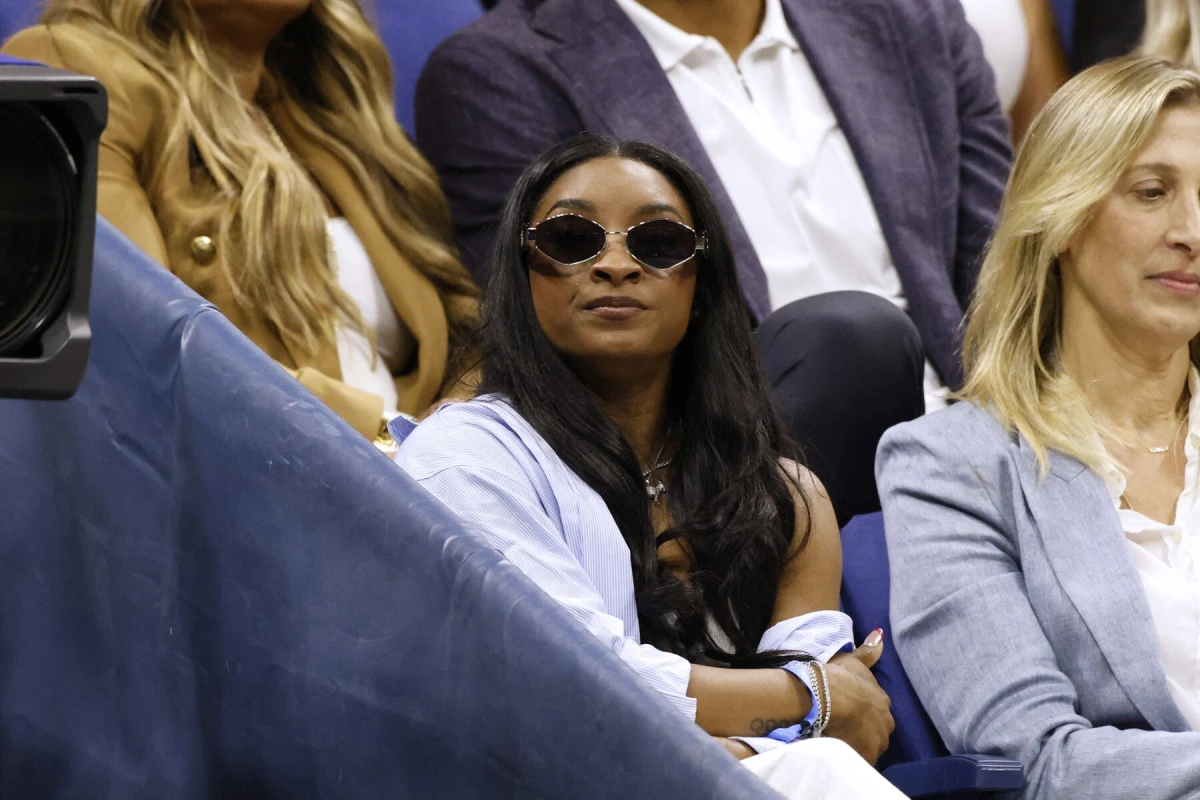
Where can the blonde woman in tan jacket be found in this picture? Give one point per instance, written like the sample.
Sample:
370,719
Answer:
252,149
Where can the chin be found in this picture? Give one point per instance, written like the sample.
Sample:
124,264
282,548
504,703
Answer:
1174,329
616,348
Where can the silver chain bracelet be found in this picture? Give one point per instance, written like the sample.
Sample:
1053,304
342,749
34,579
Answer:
824,704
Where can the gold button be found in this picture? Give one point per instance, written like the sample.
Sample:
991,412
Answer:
204,250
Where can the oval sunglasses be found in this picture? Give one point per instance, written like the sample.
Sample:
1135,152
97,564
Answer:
569,240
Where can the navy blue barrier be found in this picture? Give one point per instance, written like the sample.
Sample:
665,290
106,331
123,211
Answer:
213,587
916,760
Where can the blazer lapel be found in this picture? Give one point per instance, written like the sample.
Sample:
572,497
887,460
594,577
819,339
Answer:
634,100
1089,554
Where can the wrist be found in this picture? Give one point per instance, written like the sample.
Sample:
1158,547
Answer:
825,700
810,679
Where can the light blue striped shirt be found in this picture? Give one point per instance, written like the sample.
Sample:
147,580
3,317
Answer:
484,461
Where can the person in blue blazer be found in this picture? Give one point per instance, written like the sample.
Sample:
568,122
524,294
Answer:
1044,534
857,149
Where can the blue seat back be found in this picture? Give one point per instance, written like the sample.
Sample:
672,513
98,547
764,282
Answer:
1064,14
411,29
212,587
17,14
865,597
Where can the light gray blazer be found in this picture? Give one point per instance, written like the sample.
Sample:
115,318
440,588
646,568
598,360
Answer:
1020,618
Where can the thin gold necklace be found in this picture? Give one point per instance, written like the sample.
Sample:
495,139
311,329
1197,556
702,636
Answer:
1167,447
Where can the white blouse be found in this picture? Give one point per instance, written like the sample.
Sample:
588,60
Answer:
1167,558
1002,28
362,368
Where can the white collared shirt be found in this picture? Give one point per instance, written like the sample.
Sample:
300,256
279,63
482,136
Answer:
784,160
1004,32
1167,558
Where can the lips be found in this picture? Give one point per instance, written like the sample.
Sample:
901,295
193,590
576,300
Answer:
1176,276
1186,284
613,301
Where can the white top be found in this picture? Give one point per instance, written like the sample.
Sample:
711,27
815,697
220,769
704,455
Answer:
361,367
1002,27
1167,558
782,156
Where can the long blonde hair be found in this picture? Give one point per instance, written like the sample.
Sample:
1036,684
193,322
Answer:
1173,31
1076,150
327,76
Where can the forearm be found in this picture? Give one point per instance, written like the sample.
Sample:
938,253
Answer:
747,702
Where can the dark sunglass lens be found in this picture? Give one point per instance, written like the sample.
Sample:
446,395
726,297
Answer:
662,243
569,239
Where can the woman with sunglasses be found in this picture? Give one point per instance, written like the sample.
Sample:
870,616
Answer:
624,452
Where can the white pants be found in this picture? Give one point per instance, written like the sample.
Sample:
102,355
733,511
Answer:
821,769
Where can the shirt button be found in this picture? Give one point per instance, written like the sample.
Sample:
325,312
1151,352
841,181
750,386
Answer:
204,250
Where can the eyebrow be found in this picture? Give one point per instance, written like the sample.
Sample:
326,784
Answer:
1157,166
573,204
657,208
579,204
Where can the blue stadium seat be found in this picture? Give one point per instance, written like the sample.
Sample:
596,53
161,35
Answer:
1064,13
916,760
15,15
411,29
213,587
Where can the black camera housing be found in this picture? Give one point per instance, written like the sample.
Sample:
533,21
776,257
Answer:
44,347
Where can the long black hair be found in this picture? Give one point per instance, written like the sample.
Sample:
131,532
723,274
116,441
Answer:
730,499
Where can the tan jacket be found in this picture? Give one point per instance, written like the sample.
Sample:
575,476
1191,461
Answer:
140,112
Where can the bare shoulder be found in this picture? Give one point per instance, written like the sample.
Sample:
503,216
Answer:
814,510
812,575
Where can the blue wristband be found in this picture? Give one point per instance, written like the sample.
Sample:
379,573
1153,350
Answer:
794,732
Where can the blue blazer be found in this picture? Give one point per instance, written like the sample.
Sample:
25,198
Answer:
906,78
1020,617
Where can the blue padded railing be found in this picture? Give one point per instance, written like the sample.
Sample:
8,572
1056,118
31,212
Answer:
213,587
916,761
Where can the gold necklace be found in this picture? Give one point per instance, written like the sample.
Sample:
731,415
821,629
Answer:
1167,447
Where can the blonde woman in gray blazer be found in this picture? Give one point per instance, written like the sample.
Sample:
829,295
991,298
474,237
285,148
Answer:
1044,534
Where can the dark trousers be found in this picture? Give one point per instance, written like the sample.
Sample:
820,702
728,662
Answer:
845,367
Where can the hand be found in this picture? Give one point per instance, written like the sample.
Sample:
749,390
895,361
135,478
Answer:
862,716
739,750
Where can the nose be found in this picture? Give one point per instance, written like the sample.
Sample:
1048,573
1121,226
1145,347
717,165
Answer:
1185,224
615,265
